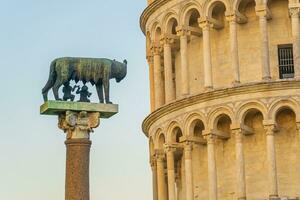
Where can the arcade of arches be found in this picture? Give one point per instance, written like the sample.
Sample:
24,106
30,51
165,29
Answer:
225,99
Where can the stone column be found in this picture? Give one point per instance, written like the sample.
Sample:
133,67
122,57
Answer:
169,83
77,125
161,184
208,80
234,47
240,165
151,80
294,12
212,170
188,170
154,177
171,173
183,34
264,40
158,79
271,162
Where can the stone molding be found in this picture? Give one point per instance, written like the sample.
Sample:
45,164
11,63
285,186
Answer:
216,94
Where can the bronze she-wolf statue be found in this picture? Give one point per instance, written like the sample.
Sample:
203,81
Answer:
97,71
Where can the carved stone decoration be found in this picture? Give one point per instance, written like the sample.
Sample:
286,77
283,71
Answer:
78,124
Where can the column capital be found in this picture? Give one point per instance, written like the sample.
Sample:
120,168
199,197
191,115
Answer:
210,138
182,31
169,148
188,145
205,24
78,125
236,17
270,129
153,161
159,156
167,40
294,11
156,49
262,11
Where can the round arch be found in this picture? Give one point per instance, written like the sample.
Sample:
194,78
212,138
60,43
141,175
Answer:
215,115
186,12
284,103
169,20
158,137
209,7
173,130
191,121
243,110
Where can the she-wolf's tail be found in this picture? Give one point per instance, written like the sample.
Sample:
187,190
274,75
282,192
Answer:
51,80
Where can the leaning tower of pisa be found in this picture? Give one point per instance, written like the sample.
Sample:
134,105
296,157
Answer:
225,99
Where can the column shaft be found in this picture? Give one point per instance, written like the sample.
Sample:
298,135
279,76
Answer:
264,38
208,83
296,40
154,179
161,184
184,64
234,49
151,80
169,83
158,80
240,166
271,162
77,169
212,170
188,171
171,175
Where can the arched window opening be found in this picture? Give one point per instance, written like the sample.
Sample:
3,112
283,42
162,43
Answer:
253,120
161,141
176,135
286,119
194,15
157,35
218,12
196,128
223,124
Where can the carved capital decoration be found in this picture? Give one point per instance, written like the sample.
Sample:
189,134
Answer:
210,138
270,129
205,24
167,40
156,50
78,124
182,31
294,11
263,11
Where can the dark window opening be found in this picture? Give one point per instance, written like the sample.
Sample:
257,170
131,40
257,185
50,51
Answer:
286,61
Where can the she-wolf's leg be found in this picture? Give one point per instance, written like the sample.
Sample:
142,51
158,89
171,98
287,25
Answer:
99,87
106,90
55,89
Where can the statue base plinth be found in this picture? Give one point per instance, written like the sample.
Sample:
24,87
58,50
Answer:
60,107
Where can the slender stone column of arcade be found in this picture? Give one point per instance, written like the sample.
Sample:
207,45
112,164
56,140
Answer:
151,80
161,183
206,25
188,170
294,12
183,34
171,172
169,83
153,164
263,13
240,165
212,170
78,126
158,79
232,19
271,162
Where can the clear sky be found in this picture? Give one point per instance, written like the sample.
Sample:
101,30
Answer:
32,150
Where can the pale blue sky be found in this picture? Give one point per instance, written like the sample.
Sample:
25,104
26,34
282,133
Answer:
32,151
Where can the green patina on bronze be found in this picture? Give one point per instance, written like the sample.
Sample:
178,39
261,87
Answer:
60,107
97,71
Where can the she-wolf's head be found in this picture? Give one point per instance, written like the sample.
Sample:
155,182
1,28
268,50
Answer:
122,71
